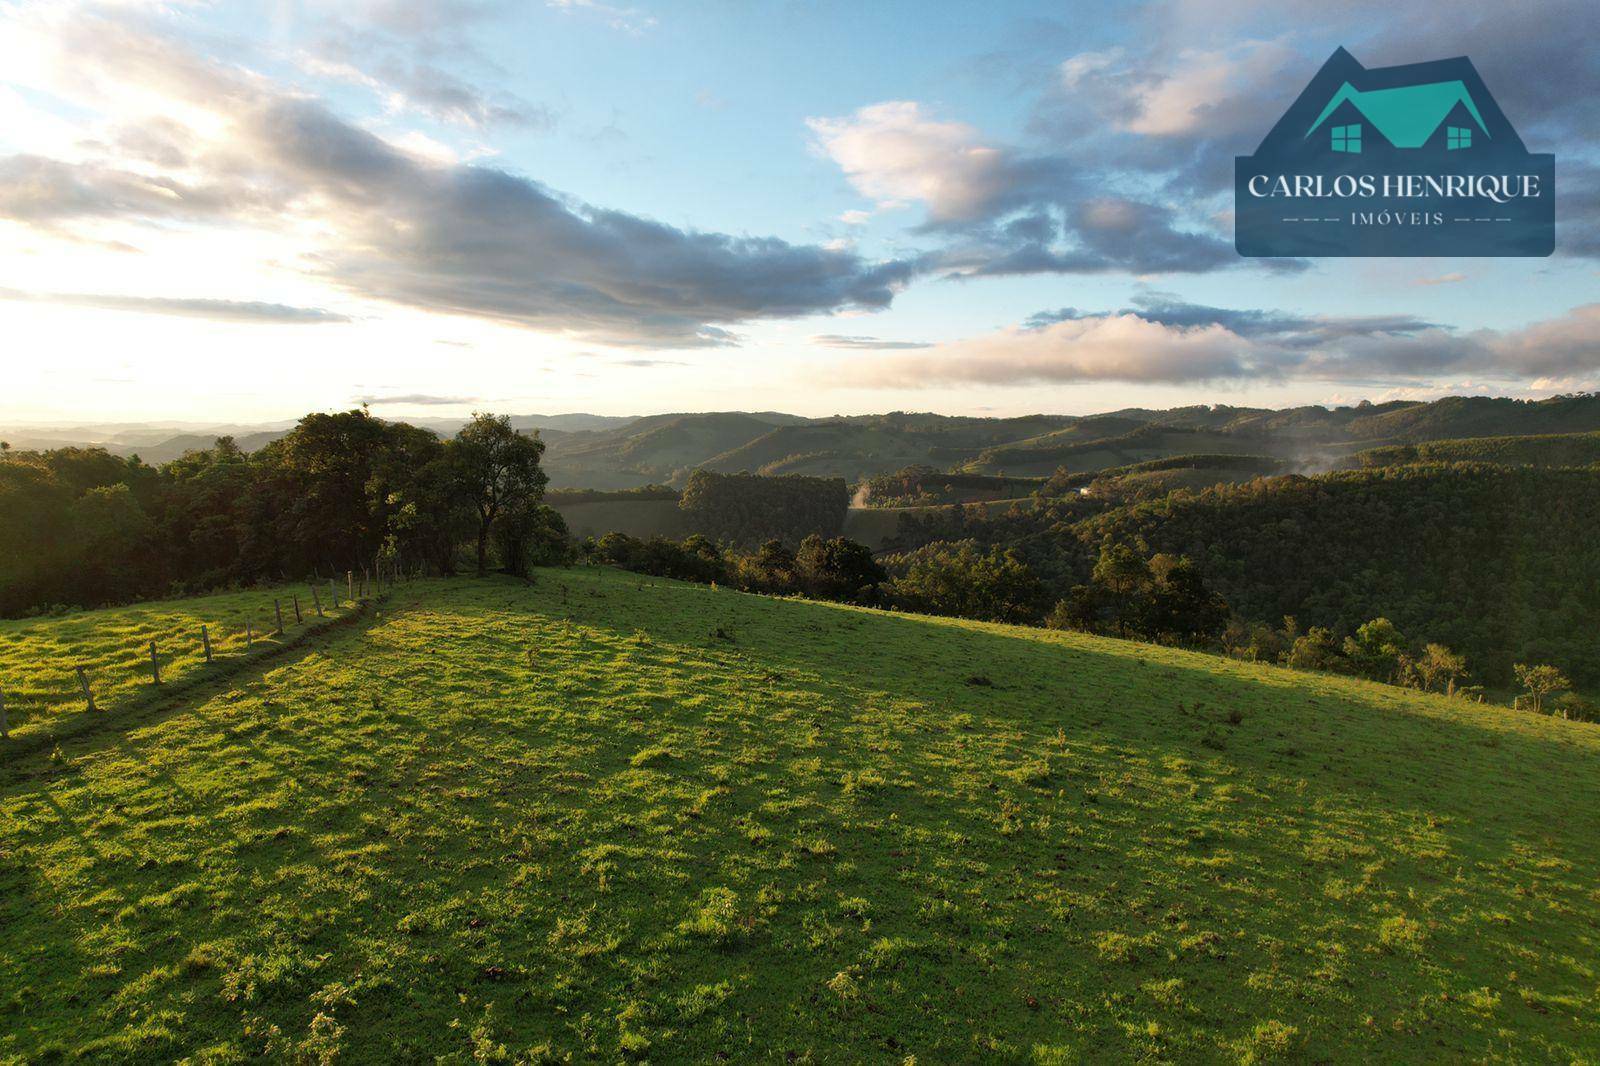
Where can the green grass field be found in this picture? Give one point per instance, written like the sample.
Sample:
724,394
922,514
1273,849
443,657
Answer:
38,655
615,817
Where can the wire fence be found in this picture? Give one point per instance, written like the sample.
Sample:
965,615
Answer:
97,662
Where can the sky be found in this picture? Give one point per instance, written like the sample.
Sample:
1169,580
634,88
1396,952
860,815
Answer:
239,212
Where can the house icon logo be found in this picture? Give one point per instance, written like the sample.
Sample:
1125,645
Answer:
1415,160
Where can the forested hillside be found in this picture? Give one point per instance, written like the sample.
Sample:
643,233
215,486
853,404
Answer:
1554,449
1498,562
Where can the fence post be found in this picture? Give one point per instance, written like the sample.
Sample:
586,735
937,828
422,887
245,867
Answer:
83,683
333,594
5,726
350,582
205,641
249,636
317,598
155,665
297,619
277,606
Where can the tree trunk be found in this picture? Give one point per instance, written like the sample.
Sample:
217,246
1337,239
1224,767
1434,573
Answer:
483,549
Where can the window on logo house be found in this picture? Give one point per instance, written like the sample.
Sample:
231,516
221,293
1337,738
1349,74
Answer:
1457,137
1347,138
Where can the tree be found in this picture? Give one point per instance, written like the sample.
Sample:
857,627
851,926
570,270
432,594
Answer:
1080,609
1180,604
1123,578
1315,650
1574,708
1540,681
531,535
837,569
1439,664
1376,649
775,562
496,469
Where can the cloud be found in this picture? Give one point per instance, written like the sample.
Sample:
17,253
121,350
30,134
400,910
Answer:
835,340
895,154
1442,279
1003,211
415,399
1171,342
1105,348
408,83
454,238
646,362
192,307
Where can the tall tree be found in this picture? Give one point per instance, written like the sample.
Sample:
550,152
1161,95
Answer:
1540,681
497,469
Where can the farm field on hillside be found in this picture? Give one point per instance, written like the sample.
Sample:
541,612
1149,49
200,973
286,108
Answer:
615,817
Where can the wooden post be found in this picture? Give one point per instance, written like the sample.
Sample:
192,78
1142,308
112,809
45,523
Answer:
278,607
205,641
155,665
350,583
5,726
297,619
249,636
83,683
317,599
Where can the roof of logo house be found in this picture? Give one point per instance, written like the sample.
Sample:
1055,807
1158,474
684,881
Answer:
1437,106
1407,115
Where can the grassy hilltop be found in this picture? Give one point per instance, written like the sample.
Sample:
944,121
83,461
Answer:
613,817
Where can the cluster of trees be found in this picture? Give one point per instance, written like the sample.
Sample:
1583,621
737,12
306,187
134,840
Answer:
341,491
921,485
634,495
963,581
822,568
1377,650
749,509
1160,598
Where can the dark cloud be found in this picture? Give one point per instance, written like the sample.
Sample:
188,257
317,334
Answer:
192,307
461,239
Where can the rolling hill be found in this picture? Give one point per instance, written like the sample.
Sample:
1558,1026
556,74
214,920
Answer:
609,452
618,818
1554,449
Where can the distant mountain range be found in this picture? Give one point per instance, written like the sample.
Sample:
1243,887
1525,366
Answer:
617,452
